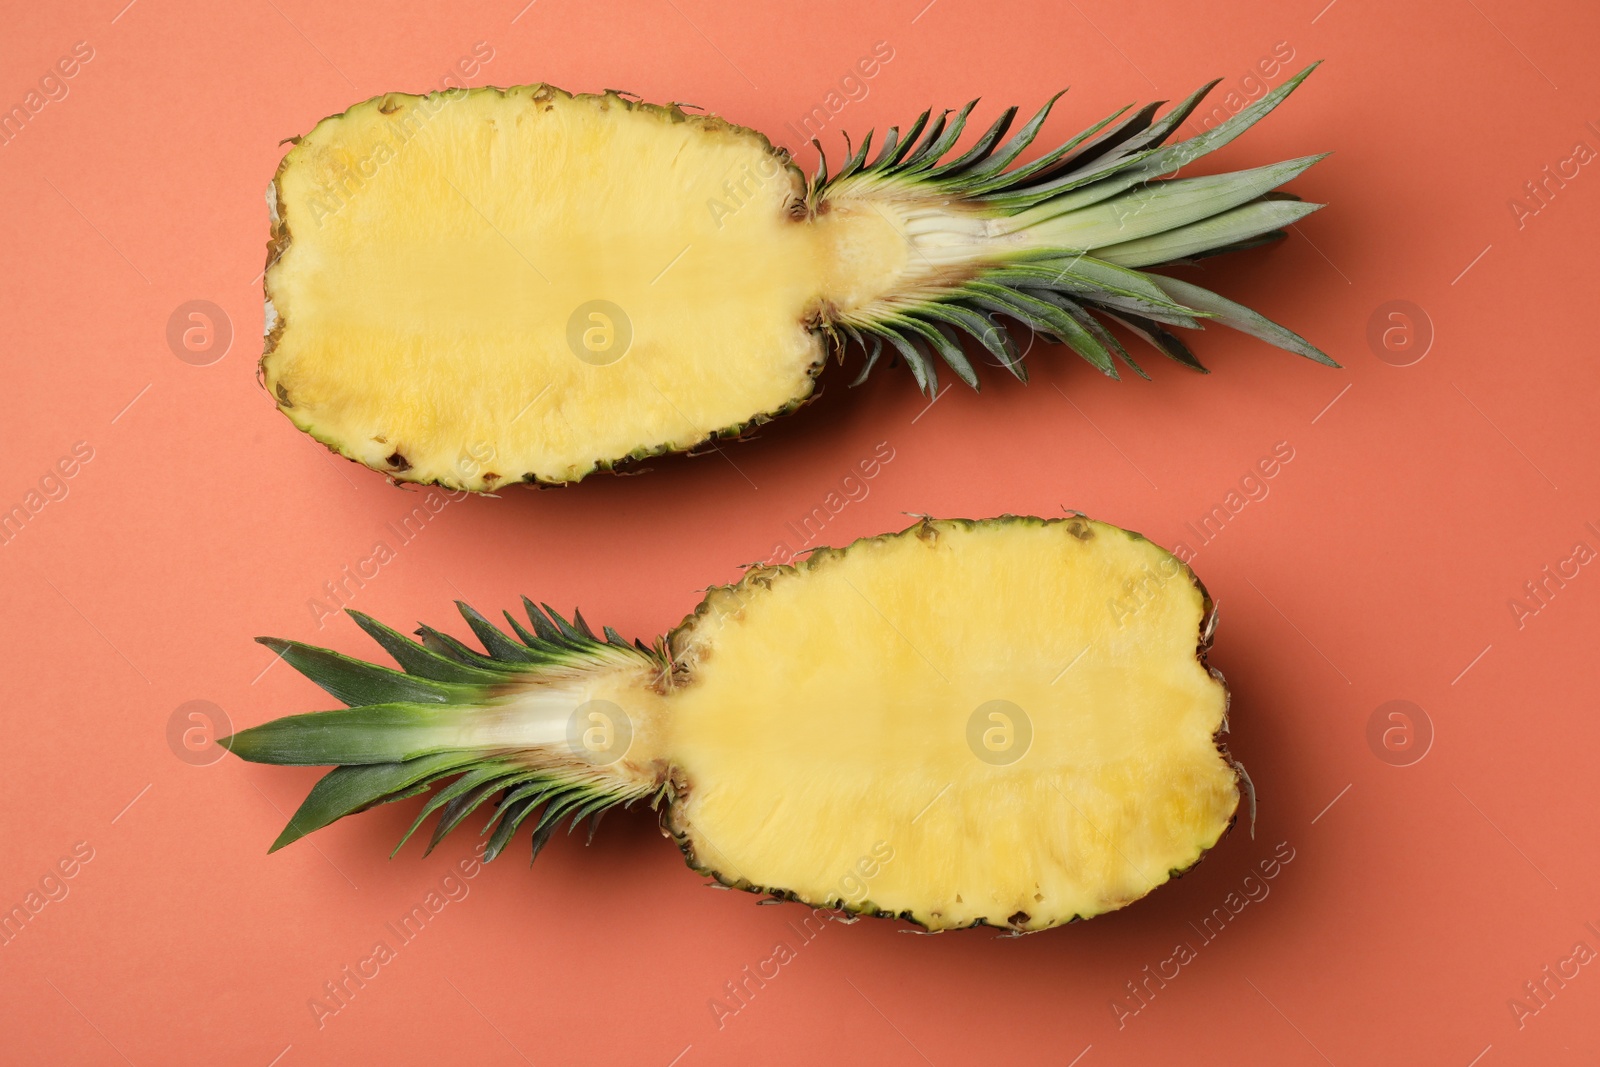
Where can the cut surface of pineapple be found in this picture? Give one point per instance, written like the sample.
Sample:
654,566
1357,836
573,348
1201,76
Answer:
1032,740
520,269
485,286
1006,722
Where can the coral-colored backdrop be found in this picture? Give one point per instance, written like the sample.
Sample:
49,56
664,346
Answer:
1429,858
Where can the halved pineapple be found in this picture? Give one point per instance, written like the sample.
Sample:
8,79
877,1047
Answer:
485,286
1007,722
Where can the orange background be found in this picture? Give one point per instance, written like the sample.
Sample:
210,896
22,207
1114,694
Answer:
1379,567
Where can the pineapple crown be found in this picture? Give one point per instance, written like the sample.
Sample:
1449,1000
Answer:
400,732
1101,205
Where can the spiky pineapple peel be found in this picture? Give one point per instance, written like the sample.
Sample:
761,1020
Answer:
1007,722
486,286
